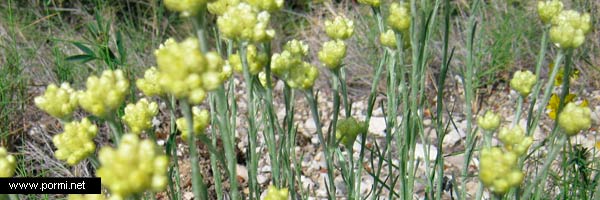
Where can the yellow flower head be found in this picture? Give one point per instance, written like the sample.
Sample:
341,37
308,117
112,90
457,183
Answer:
136,166
347,130
105,94
549,9
554,103
296,48
86,197
138,117
76,142
266,5
58,102
399,18
186,7
220,6
569,28
302,76
149,84
559,77
573,119
332,54
340,28
201,120
277,194
245,23
498,170
262,77
523,82
8,163
374,3
388,39
185,72
256,60
489,122
515,140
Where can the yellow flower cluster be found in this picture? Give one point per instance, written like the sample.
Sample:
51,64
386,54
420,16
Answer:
388,39
559,77
58,102
76,142
219,7
86,197
340,28
104,94
186,7
277,194
136,166
374,3
348,129
201,119
332,54
243,22
149,84
138,117
266,5
569,28
8,163
523,82
489,122
498,170
548,9
514,140
256,60
399,18
186,73
289,66
555,102
573,119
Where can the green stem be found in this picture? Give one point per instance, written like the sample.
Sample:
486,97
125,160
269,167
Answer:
519,108
116,131
538,69
228,137
171,150
251,116
198,186
554,149
547,92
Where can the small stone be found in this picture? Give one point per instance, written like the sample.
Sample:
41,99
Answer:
377,126
420,151
188,195
242,172
309,127
262,179
307,183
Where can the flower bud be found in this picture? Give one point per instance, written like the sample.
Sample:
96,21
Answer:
133,168
201,120
498,170
515,140
76,142
58,102
297,48
388,39
332,54
104,94
569,28
374,3
277,194
266,5
149,84
242,22
8,163
347,130
302,76
340,28
256,60
548,10
399,18
186,7
220,6
138,117
523,82
573,119
489,122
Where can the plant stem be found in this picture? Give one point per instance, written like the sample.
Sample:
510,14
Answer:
554,149
198,186
547,92
251,116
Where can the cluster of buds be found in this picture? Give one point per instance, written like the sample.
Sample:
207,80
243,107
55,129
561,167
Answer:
573,118
523,82
104,94
498,170
256,60
334,51
289,66
136,166
58,102
244,22
514,140
8,163
76,142
399,18
373,3
186,73
220,6
348,129
266,5
201,119
489,122
149,84
568,28
138,117
186,7
276,194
